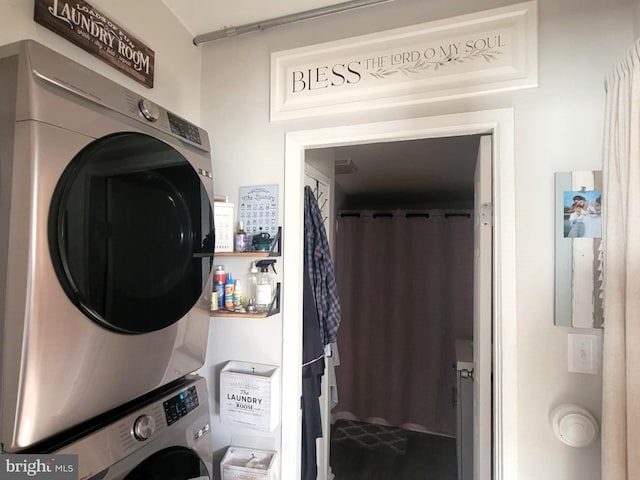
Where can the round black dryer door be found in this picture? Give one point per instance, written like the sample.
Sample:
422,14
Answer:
174,463
131,233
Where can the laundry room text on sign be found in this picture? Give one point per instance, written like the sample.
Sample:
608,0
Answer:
472,54
90,29
250,395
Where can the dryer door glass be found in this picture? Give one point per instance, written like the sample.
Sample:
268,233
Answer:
169,464
131,233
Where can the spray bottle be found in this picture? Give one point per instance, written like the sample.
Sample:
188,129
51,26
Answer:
265,285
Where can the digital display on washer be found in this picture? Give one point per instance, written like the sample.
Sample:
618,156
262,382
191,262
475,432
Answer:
183,128
177,407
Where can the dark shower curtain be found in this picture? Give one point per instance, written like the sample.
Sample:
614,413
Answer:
406,288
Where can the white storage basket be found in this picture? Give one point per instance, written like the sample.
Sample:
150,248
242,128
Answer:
250,395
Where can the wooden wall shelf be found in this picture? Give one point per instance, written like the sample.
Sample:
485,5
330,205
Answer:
273,309
275,249
244,254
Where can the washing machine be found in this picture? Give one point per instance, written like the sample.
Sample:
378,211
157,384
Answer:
106,244
165,437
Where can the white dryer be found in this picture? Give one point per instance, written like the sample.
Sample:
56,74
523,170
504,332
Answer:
166,437
106,244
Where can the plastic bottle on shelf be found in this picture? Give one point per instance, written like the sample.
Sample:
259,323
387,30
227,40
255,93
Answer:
240,239
265,285
228,293
238,296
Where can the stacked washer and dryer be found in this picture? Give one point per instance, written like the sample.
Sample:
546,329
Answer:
106,250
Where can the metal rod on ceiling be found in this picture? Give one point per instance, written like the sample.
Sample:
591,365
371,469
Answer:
275,22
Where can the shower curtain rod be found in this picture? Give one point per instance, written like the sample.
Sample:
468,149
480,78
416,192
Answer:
284,20
426,213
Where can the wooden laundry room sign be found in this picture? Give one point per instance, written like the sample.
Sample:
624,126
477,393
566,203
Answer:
90,29
483,52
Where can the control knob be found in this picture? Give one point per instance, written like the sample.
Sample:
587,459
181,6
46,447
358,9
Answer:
143,427
149,110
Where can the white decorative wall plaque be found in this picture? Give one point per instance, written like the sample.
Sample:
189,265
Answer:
489,51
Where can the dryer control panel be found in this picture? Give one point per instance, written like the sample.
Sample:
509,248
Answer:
179,405
183,128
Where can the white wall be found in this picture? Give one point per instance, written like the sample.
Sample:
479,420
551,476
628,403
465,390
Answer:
177,60
558,128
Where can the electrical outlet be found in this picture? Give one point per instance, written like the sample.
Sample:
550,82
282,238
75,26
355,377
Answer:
583,353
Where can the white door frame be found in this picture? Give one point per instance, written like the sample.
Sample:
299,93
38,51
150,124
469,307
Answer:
499,123
482,315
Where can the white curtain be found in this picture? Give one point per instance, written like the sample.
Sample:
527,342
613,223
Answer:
621,288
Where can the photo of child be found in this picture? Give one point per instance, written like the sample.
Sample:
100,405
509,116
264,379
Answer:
582,214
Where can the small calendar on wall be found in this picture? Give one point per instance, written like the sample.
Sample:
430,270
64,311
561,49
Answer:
258,209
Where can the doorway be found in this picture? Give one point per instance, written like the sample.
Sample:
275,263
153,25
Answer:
404,262
499,123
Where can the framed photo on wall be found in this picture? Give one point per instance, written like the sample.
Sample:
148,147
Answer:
578,254
582,214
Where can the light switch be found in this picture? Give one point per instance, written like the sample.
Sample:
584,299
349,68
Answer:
583,353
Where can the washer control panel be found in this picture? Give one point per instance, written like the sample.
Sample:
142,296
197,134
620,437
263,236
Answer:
179,405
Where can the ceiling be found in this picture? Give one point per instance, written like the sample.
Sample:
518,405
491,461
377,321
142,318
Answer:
393,174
